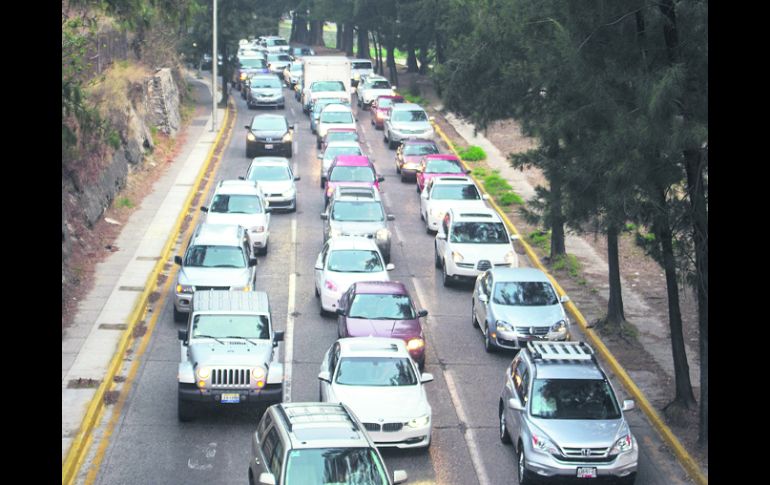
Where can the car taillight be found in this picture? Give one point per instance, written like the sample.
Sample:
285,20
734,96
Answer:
330,285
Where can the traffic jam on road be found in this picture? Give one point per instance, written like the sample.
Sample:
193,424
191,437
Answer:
333,400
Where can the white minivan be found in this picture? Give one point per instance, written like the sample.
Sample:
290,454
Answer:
334,116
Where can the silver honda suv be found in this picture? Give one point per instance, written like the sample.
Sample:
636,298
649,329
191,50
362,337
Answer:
559,411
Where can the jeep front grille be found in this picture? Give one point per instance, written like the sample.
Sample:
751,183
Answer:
230,377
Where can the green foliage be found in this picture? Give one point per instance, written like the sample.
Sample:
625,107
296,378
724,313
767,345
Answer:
124,202
472,154
567,262
510,198
113,139
415,99
541,239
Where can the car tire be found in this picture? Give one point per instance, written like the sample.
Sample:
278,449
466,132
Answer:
505,437
488,346
403,178
179,316
446,280
474,321
263,251
437,260
391,145
251,477
628,479
323,182
185,411
318,143
524,475
317,294
398,170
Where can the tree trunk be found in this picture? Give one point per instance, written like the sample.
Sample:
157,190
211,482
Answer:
380,62
316,36
684,398
298,29
227,73
423,59
556,217
347,40
411,58
340,31
615,314
363,44
391,61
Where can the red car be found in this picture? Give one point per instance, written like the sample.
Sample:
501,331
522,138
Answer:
351,170
381,109
437,166
410,153
382,309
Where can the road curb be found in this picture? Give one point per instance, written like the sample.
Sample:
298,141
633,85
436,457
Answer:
81,443
685,459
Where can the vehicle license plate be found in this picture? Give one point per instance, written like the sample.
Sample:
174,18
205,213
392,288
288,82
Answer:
230,397
268,147
586,472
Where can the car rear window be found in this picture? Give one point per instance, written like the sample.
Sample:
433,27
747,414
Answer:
404,115
455,192
443,166
420,149
524,293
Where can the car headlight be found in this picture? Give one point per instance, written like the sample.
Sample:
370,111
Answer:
382,234
419,422
251,137
542,444
257,229
184,289
559,327
415,344
436,212
287,137
510,257
457,257
503,326
204,372
243,76
624,444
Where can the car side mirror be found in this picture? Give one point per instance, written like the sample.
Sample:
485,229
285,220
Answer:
277,337
178,260
391,217
380,178
248,127
241,177
422,313
266,479
252,262
182,334
390,267
340,312
399,476
325,376
426,377
485,196
441,235
324,216
483,298
515,404
297,178
394,88
204,209
432,118
564,299
629,404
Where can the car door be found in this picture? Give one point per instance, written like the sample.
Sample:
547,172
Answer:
442,243
261,464
520,383
320,264
329,365
344,304
479,307
425,201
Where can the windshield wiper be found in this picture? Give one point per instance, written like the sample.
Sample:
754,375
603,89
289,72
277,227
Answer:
224,266
210,336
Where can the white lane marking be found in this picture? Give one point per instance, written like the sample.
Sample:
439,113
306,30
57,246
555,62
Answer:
207,452
470,436
288,337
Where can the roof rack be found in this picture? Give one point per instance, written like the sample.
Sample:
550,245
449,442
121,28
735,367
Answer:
560,351
314,413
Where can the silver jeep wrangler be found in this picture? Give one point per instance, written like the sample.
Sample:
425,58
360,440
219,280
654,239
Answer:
229,354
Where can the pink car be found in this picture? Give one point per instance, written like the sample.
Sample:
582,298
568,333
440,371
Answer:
351,170
437,165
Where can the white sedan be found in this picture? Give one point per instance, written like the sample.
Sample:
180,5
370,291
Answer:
441,193
377,379
343,261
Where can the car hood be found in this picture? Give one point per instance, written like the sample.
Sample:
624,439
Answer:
415,159
494,253
351,228
392,403
410,125
215,276
233,352
445,205
275,135
245,220
580,433
344,280
275,186
535,316
266,91
364,327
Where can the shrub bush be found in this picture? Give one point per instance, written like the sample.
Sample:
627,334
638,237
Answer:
472,154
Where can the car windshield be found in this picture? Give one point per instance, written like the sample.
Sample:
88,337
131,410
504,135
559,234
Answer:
524,293
573,399
236,204
355,261
225,325
269,123
341,135
375,371
337,117
327,86
379,85
265,83
269,173
362,65
332,152
335,466
479,233
322,103
273,42
350,211
257,62
351,174
405,115
382,307
420,149
443,166
214,257
455,192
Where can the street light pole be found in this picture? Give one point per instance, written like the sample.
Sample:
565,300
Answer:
214,65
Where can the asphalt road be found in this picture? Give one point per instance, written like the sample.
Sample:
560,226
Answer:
149,445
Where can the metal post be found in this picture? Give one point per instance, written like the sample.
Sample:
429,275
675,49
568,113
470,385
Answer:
214,64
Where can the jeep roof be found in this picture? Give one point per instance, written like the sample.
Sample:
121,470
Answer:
222,301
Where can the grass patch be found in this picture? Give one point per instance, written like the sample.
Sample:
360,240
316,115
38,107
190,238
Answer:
569,263
124,202
414,99
472,153
510,198
625,330
541,239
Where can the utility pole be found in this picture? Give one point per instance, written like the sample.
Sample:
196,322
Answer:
214,65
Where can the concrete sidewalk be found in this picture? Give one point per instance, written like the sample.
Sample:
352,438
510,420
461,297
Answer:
90,343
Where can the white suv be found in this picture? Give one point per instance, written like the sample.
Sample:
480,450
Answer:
373,86
334,116
470,241
407,120
241,202
380,382
443,193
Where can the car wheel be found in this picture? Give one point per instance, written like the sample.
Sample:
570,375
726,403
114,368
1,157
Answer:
445,278
251,477
505,437
473,316
263,251
392,144
318,143
488,346
385,137
323,182
438,261
179,316
185,411
317,294
524,475
628,479
398,170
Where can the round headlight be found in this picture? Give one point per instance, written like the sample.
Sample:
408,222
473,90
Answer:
204,372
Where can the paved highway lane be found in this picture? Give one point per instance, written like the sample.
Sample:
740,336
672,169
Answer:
149,445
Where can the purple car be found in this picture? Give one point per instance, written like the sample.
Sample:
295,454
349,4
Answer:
382,309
